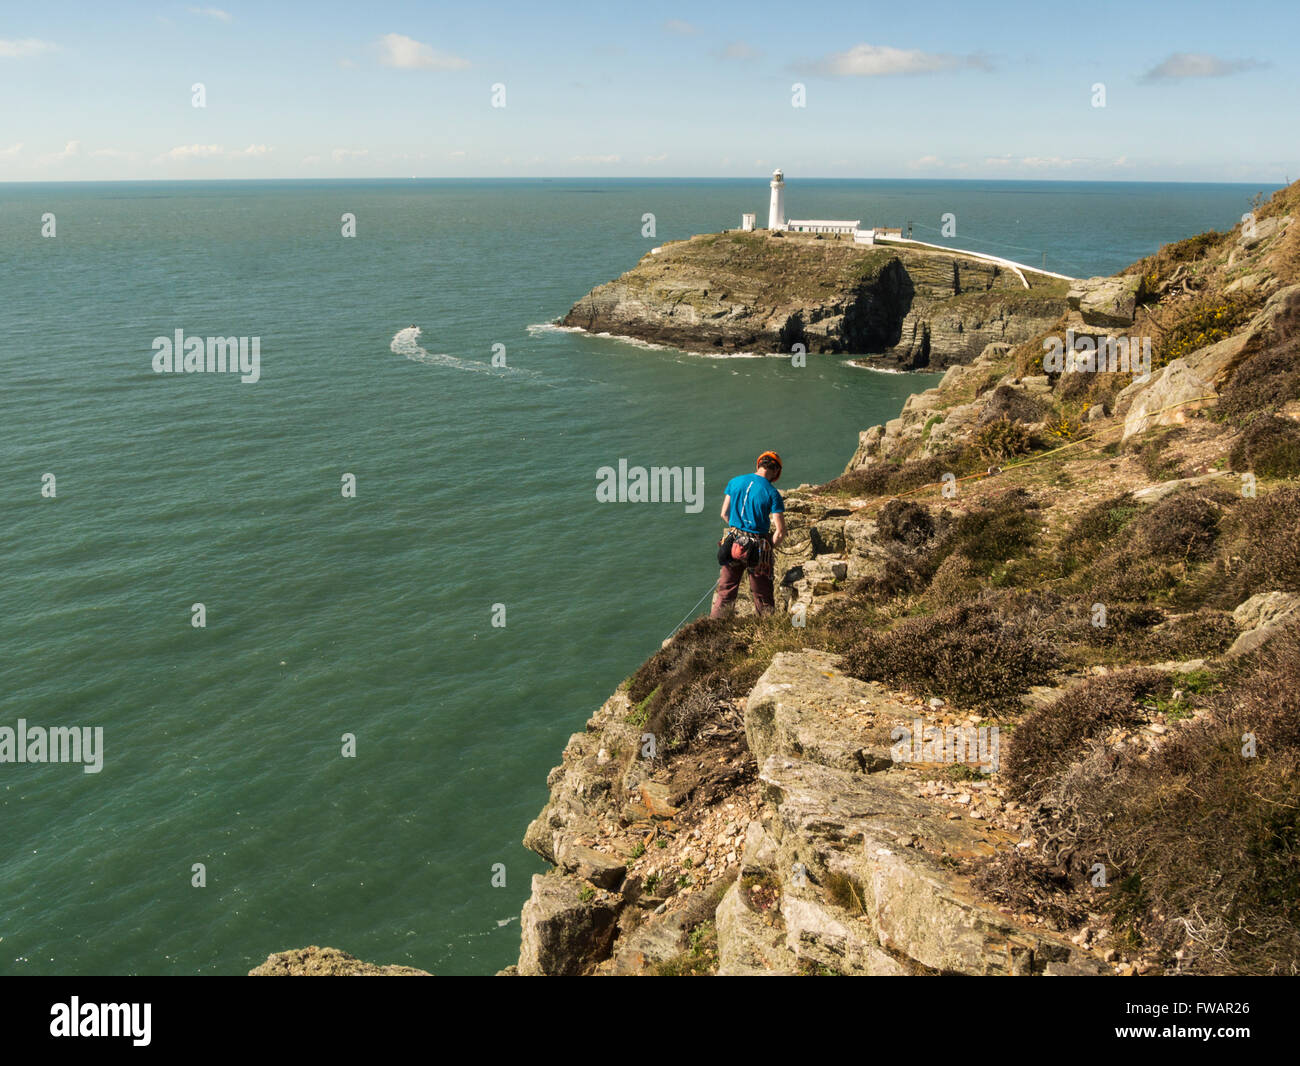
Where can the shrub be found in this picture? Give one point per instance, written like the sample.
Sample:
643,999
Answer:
1261,384
906,524
1002,529
972,654
1152,458
1268,446
1003,439
1200,843
1261,551
1103,521
1201,322
1180,527
1013,404
1052,736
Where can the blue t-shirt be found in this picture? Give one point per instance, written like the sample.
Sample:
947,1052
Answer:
753,500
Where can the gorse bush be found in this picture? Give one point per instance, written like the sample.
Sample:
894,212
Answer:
1003,439
1201,322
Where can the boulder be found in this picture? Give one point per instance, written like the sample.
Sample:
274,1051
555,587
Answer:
749,946
600,869
1261,616
893,855
1106,301
804,704
1188,383
563,934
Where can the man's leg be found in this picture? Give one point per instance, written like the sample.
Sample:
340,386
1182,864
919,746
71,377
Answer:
725,597
761,589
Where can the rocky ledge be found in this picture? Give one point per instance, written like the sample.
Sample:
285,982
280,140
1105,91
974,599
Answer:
825,856
762,292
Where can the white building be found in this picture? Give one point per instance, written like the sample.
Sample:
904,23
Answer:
776,212
822,225
747,220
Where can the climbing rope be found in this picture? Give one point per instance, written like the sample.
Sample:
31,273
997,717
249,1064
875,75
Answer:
688,614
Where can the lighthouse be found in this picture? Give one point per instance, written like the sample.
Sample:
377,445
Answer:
776,214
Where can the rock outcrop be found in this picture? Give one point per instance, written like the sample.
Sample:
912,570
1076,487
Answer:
327,962
760,292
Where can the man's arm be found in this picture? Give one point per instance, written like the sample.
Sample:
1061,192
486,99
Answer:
726,508
779,535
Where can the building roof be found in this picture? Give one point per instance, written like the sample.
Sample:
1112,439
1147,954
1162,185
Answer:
824,222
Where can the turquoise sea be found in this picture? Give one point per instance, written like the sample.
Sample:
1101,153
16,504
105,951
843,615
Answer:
373,616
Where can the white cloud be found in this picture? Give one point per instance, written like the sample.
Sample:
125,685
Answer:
192,151
13,149
1050,162
408,54
256,149
311,159
340,154
877,60
28,46
603,160
1198,65
740,50
212,13
346,64
681,28
459,153
70,151
927,161
655,158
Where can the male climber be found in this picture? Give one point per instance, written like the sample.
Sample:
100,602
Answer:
747,505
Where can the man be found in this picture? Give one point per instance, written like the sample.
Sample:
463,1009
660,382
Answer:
748,503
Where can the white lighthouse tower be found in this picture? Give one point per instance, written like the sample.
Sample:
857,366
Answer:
776,213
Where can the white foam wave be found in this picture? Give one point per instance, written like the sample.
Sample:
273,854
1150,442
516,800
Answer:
407,342
874,369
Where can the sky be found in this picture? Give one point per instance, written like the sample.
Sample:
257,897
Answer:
1151,90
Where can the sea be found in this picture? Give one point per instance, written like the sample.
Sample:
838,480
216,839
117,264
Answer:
335,615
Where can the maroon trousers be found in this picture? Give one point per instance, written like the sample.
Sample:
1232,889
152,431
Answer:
729,585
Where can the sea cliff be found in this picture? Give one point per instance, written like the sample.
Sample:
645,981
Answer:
1028,702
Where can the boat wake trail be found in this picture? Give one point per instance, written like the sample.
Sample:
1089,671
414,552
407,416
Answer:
407,342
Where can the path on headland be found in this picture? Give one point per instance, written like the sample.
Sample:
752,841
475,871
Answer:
1018,268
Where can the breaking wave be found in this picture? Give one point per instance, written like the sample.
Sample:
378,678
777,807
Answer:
407,342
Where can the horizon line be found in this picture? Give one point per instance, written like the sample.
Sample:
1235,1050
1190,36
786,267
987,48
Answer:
628,177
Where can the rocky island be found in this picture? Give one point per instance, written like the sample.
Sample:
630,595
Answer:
914,307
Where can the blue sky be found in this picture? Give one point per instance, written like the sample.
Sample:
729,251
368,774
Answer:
1194,91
